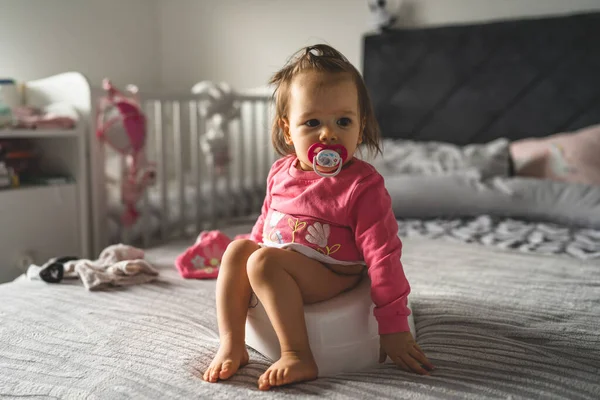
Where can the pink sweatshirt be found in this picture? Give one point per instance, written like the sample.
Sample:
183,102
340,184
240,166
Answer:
347,220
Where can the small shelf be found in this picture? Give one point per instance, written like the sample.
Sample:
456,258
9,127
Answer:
38,133
33,187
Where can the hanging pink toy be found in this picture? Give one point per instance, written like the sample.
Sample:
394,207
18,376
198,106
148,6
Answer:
122,125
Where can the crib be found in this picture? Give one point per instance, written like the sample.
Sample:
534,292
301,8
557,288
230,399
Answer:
196,188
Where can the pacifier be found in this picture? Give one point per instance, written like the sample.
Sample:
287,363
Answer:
327,156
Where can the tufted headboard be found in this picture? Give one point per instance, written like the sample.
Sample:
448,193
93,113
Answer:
475,83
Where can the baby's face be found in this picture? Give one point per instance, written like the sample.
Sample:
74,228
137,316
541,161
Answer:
322,108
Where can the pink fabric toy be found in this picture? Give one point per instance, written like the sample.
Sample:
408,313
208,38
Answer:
203,259
122,125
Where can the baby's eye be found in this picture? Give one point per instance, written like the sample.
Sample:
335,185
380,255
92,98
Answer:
344,121
312,123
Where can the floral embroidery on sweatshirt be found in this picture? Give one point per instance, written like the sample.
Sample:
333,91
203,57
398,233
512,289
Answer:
296,225
319,234
276,216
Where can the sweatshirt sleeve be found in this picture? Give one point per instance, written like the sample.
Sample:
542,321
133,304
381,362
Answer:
376,235
257,230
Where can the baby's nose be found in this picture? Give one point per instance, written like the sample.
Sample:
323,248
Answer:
327,135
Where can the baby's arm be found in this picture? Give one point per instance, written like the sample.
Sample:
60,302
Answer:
257,230
376,234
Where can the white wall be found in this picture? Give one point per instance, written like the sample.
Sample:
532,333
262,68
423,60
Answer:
244,41
114,38
438,12
175,43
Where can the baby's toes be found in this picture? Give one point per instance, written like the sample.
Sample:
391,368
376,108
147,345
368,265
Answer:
208,373
274,378
214,374
264,380
281,377
225,372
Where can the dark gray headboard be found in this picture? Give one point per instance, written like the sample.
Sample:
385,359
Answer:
475,83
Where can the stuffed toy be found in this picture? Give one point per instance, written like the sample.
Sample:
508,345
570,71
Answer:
122,125
219,111
382,19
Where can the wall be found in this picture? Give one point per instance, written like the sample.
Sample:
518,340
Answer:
175,43
244,41
437,12
115,38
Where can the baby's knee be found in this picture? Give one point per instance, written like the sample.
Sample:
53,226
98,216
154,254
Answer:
238,252
242,246
261,263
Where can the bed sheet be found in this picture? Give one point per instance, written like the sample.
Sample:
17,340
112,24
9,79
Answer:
496,323
508,233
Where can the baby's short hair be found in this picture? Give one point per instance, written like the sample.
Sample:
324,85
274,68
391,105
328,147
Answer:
325,59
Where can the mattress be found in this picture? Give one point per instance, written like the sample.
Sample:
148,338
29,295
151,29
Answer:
497,324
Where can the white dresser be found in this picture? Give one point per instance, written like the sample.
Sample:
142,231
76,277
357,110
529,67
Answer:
40,221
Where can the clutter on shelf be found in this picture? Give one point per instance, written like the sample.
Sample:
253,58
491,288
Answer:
20,165
8,100
55,116
14,114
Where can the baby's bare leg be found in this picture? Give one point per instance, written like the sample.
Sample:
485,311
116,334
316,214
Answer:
233,296
284,281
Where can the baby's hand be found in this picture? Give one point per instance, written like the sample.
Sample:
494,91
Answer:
404,352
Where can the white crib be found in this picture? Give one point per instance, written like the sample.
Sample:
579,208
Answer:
191,193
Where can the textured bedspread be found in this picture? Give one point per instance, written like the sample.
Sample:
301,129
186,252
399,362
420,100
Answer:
497,324
508,233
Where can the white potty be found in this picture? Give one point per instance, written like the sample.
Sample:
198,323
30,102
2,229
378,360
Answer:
342,332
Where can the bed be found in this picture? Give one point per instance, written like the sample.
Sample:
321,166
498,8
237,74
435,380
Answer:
481,91
496,323
505,306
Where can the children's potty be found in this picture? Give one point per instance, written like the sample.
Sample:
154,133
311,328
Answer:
342,332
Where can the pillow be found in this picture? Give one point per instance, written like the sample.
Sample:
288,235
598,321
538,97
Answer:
566,157
438,158
456,196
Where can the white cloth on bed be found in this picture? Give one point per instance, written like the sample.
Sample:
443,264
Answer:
118,265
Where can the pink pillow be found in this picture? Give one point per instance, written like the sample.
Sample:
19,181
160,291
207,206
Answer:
568,157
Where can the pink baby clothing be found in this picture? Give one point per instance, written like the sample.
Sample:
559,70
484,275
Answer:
203,259
344,220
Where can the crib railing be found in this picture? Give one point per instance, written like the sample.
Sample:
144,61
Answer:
196,188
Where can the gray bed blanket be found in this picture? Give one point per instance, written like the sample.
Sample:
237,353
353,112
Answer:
497,324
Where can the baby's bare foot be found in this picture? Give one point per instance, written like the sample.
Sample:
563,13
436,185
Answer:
291,367
226,363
